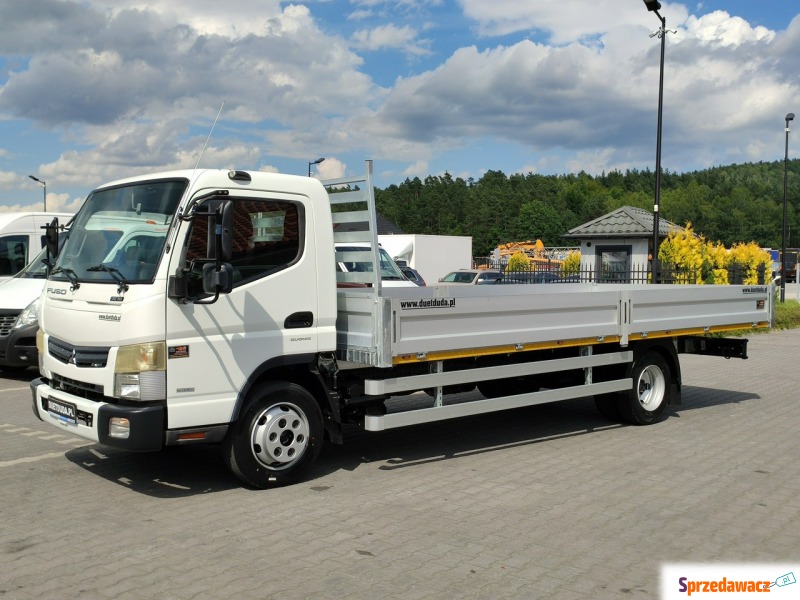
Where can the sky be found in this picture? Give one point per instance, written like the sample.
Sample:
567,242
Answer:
96,90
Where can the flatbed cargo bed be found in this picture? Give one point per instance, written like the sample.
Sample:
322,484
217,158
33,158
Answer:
382,326
392,326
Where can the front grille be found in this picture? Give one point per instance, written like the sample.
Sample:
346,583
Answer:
7,320
81,389
80,356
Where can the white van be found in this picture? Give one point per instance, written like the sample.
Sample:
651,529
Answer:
18,315
21,238
127,245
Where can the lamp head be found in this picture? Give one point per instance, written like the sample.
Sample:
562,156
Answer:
789,117
652,5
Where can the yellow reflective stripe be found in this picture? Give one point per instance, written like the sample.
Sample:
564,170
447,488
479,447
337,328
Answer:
504,349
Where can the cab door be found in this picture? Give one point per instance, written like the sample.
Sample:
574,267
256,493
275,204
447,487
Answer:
271,311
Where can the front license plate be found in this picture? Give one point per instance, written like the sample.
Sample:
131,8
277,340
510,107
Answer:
65,412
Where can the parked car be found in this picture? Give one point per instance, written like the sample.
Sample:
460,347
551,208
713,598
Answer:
391,276
472,277
412,275
19,306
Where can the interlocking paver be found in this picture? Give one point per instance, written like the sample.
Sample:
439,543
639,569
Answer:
545,502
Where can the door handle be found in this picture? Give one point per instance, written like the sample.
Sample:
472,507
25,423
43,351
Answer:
299,320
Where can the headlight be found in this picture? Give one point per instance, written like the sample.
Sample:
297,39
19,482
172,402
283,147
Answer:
140,372
29,316
136,358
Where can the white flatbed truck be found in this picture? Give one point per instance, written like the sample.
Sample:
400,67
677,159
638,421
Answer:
236,328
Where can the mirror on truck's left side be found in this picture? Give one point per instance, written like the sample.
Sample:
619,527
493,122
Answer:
225,228
50,237
207,269
217,276
219,227
217,280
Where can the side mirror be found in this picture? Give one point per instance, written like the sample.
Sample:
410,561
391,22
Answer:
50,237
217,281
220,230
225,228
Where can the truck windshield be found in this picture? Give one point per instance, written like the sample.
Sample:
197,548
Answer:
119,233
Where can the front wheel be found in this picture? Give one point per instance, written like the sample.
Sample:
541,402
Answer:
277,437
646,402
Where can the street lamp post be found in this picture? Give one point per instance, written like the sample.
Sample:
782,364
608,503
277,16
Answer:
789,117
655,6
45,189
314,162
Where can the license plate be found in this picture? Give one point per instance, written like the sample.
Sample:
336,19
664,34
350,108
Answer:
65,412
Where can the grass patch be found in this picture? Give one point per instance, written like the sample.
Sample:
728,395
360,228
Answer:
787,314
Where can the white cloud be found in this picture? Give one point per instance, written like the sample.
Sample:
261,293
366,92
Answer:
135,89
359,15
419,168
9,180
719,28
330,168
723,83
55,203
582,18
386,37
208,17
142,91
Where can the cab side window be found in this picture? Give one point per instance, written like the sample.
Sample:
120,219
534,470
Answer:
267,238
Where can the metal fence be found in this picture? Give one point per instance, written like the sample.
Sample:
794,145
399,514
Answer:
643,274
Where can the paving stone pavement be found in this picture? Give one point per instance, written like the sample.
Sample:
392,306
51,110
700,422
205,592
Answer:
544,502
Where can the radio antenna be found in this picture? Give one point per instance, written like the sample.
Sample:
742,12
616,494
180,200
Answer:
203,151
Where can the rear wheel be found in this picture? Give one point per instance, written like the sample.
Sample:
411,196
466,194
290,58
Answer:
277,437
646,401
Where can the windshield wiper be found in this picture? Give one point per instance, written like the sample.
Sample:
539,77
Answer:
71,275
122,284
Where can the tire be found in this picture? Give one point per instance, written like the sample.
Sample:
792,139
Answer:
606,405
647,400
277,437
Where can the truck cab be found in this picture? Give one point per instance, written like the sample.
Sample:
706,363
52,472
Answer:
134,341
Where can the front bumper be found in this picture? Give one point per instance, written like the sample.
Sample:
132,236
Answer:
91,419
18,348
